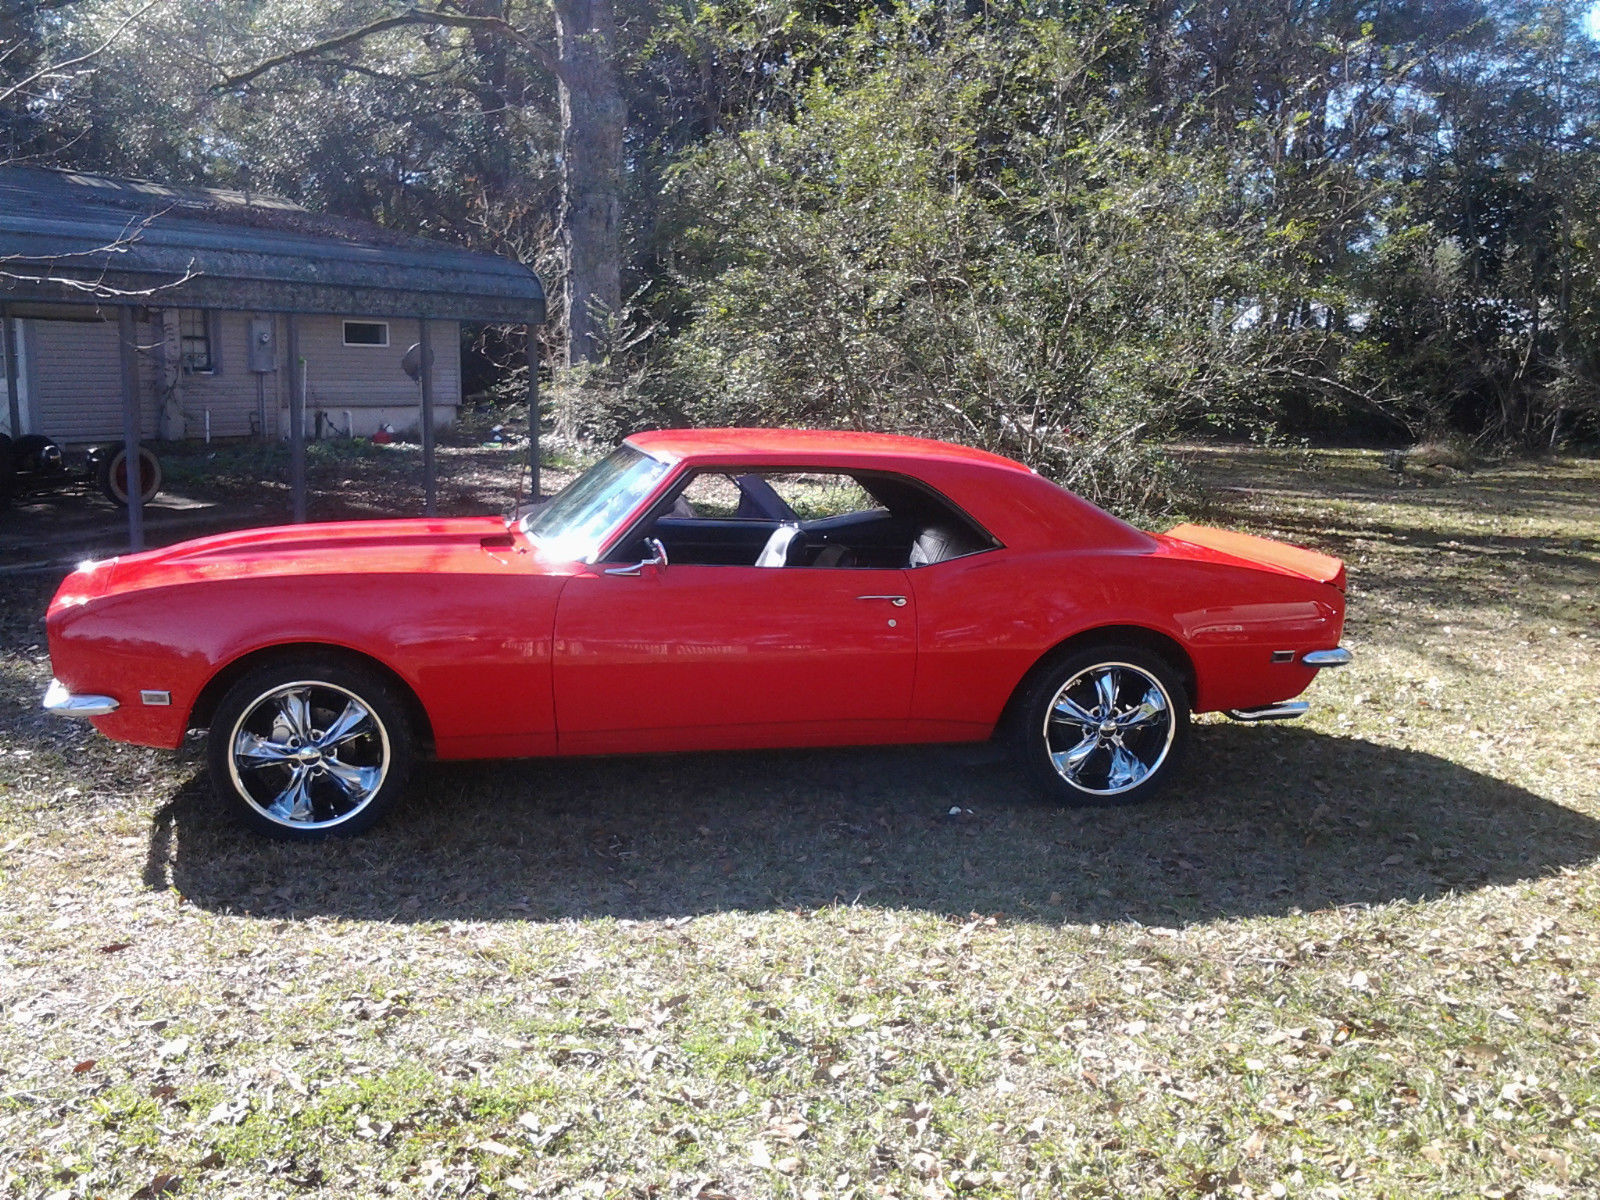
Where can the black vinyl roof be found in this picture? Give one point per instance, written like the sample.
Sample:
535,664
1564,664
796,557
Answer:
68,236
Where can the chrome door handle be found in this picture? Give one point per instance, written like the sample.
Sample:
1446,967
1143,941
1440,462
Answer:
897,601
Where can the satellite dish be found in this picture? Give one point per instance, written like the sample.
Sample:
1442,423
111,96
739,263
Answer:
412,363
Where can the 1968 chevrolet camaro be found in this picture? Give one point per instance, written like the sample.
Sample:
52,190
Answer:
697,590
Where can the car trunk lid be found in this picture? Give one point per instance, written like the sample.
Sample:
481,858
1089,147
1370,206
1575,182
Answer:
1262,552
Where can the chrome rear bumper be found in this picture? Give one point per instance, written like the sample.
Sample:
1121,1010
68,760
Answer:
63,703
1290,709
1286,711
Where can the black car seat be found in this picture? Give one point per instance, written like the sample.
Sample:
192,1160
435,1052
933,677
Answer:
834,555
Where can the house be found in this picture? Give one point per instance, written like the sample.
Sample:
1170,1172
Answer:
244,309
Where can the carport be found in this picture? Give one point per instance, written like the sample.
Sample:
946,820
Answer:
76,242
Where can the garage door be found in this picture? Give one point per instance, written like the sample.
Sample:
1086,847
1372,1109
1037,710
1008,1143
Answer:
75,381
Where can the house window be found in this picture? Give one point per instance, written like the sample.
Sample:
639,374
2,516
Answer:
194,333
366,333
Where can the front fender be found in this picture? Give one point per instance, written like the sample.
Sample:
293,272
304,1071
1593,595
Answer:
474,650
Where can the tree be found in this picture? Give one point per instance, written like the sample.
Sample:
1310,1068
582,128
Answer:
33,67
592,122
1477,283
964,236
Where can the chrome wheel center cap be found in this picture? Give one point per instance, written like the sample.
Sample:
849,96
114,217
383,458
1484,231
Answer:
1108,727
308,754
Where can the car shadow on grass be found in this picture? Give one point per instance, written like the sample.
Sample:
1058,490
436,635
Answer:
1267,821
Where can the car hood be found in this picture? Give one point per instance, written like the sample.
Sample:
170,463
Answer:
341,547
1202,543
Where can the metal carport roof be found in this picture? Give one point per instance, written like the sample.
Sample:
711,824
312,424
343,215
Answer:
68,236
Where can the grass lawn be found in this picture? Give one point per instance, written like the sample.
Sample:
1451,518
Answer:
1354,956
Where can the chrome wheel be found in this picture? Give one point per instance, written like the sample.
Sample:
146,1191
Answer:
308,754
1109,728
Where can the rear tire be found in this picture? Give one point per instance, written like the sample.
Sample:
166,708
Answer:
311,747
1105,725
112,475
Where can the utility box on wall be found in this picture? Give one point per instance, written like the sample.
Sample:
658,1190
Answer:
263,345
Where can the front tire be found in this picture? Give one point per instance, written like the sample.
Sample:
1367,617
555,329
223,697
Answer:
310,748
1104,725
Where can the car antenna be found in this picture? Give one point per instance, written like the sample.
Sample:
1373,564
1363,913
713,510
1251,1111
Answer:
516,494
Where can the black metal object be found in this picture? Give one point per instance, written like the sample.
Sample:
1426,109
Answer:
36,465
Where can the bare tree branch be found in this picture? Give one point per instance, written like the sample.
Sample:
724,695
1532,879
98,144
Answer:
99,289
435,17
96,287
414,79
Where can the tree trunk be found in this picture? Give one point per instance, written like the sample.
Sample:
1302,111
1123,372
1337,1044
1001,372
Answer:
593,116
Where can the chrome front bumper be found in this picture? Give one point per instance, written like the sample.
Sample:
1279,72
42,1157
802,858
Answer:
63,703
1326,658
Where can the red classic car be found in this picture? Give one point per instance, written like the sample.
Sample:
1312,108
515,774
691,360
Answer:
697,590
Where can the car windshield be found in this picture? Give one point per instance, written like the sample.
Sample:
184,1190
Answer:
575,523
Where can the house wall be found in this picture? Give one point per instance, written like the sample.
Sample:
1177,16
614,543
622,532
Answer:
75,390
230,391
367,382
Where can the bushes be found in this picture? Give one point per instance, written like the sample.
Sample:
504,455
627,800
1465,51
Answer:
970,241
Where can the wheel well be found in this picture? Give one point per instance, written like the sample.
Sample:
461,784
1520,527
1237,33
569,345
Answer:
206,703
1167,648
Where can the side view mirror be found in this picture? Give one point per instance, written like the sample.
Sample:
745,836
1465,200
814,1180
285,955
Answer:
658,558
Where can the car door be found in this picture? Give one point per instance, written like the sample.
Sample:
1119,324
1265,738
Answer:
698,656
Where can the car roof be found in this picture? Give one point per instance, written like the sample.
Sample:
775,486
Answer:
1014,503
823,444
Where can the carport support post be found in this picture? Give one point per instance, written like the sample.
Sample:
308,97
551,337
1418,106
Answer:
130,426
297,424
425,353
8,337
533,412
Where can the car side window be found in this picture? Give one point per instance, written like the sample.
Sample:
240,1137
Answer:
814,496
709,496
810,519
